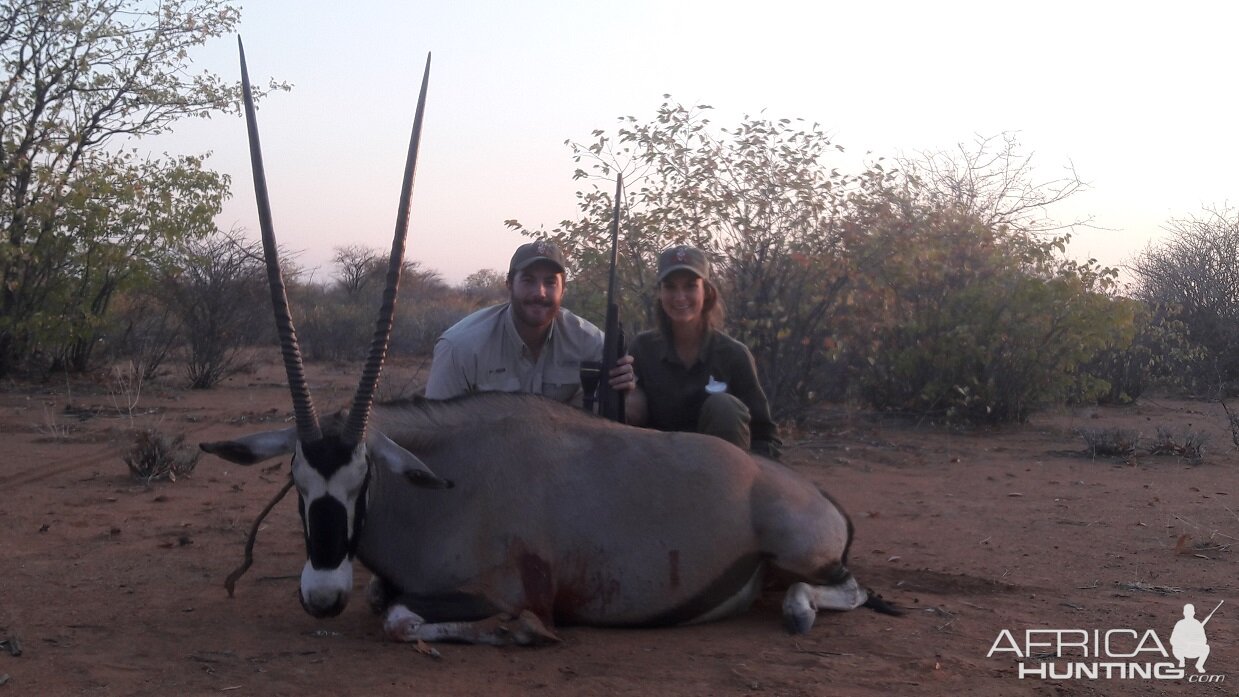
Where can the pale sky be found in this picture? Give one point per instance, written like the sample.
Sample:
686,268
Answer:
1140,97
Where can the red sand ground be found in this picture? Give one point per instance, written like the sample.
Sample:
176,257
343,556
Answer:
114,587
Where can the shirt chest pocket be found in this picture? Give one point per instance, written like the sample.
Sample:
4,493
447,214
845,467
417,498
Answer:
499,382
561,382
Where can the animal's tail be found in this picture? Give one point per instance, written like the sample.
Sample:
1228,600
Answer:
878,604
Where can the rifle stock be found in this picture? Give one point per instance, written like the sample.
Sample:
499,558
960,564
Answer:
610,402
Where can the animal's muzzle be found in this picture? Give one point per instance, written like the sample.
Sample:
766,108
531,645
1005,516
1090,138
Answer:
324,607
325,592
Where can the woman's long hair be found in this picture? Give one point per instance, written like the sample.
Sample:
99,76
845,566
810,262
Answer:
712,310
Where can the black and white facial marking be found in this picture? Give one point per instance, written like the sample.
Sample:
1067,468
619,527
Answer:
332,480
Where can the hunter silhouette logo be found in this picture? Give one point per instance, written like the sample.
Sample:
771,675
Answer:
1188,638
1122,654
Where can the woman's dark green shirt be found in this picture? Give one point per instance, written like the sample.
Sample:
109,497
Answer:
675,392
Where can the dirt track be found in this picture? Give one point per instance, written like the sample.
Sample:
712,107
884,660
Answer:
112,587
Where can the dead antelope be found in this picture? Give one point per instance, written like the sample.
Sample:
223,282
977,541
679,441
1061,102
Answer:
492,518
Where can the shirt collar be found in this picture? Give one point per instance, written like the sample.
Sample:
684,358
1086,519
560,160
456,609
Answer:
670,356
513,337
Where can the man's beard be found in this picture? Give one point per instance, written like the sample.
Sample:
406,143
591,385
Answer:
524,311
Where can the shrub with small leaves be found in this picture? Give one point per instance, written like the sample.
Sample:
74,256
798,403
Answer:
156,455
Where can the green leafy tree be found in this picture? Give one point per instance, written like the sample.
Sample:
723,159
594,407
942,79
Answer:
77,79
1161,354
115,231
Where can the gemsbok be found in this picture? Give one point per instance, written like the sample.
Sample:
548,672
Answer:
492,518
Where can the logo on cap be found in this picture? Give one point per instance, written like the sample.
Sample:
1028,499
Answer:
681,254
542,247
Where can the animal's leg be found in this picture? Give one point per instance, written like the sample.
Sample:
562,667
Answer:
378,595
803,601
402,624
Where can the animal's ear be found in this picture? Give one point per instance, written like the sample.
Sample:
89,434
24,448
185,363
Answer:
387,453
255,447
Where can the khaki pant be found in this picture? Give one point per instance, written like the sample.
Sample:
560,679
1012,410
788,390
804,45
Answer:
725,416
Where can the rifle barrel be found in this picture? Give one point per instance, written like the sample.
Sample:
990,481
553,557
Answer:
1211,614
611,403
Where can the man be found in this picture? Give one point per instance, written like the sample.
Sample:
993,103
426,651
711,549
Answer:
528,344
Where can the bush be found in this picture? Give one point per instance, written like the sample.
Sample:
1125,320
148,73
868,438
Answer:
1193,272
155,455
418,327
144,331
1111,442
337,322
1160,354
332,325
218,290
962,320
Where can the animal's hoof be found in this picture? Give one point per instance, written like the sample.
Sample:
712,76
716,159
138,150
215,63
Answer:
798,623
528,630
402,624
799,612
427,650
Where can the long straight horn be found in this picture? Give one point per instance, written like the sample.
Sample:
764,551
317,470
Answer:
303,406
359,414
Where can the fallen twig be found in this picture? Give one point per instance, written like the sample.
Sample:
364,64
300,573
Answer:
815,652
230,583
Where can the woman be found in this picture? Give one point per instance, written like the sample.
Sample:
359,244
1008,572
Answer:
691,376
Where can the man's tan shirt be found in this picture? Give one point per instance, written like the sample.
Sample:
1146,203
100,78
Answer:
483,353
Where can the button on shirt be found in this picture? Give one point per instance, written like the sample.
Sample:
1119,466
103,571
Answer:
484,353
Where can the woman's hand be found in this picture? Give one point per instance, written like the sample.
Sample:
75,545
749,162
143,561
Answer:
623,379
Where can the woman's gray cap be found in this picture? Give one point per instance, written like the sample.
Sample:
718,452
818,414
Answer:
685,258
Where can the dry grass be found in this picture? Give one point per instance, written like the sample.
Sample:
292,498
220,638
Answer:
1111,442
1189,445
52,429
1122,442
156,455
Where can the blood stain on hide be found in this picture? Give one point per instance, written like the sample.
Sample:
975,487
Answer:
538,584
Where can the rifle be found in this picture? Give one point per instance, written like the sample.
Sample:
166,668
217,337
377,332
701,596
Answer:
610,402
1211,614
